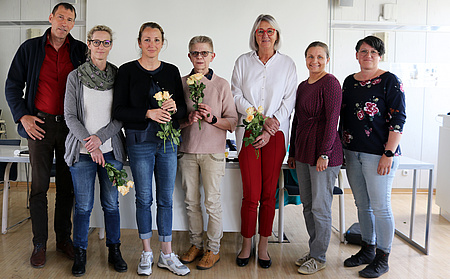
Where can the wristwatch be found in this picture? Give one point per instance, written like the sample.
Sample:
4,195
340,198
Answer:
214,120
325,157
388,153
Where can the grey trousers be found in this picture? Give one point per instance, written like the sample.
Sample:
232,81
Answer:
316,194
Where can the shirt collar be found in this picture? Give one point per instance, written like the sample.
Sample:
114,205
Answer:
66,41
209,75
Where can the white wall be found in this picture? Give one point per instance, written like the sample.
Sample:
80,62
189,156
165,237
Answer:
228,23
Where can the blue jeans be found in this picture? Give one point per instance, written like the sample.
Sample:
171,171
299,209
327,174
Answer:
372,194
146,158
83,177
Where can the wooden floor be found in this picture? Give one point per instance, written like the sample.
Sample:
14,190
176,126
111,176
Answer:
405,261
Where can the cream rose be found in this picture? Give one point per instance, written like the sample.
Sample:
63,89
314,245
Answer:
249,118
158,96
190,81
260,109
166,95
197,76
250,111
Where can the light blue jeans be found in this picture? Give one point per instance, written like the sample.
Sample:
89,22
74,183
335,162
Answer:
83,176
372,194
145,159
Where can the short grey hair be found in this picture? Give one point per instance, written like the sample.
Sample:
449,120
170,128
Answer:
201,40
271,20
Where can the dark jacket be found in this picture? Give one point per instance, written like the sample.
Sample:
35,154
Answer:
131,97
25,69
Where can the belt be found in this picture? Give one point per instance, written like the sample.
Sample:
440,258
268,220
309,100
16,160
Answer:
44,115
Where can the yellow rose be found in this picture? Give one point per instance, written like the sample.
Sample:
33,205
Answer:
158,96
123,190
249,118
197,76
250,111
260,109
166,95
190,81
130,184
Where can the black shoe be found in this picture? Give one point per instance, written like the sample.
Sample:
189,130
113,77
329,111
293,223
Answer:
265,263
243,261
365,256
377,267
115,258
79,263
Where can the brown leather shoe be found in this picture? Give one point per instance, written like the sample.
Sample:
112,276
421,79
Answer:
208,260
66,247
37,259
191,255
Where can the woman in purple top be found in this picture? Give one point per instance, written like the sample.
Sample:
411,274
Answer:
372,119
316,153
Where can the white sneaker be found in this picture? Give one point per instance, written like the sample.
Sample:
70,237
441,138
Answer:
173,264
311,266
145,265
303,259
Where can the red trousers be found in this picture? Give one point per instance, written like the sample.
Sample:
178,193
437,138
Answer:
259,181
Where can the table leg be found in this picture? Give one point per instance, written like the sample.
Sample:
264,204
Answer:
341,208
5,198
281,207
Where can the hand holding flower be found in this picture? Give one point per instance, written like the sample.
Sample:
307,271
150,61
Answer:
196,88
97,157
158,115
261,140
205,112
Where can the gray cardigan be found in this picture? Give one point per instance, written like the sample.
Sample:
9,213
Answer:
74,116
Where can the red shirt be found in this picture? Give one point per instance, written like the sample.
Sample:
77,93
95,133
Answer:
52,79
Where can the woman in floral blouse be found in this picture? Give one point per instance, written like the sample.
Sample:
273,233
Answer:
372,119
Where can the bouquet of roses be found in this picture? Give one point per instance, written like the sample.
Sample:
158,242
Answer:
117,177
196,88
254,123
168,131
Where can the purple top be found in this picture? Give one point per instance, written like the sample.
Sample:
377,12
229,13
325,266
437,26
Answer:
314,129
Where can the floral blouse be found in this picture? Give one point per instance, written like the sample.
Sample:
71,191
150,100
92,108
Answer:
370,110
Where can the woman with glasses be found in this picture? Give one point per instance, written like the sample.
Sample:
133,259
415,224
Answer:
262,77
316,152
372,119
94,139
217,115
137,85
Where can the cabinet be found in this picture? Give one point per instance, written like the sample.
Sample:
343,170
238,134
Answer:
443,170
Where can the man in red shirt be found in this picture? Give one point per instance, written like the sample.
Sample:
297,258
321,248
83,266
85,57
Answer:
42,64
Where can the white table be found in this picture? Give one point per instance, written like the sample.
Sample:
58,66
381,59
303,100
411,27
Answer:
7,155
404,164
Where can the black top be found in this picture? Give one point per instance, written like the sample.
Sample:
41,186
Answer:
134,90
370,110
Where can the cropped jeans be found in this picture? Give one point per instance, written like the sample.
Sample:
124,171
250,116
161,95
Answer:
83,176
372,194
145,159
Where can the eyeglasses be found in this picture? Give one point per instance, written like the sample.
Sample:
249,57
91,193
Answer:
365,52
270,31
96,43
197,53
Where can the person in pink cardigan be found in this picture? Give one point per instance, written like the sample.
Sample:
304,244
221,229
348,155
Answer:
202,151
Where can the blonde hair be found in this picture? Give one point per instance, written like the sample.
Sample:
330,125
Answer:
95,29
271,20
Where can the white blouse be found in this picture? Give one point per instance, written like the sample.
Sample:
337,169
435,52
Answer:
272,86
